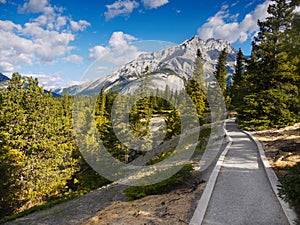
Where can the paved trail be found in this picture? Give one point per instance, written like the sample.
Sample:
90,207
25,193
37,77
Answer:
242,194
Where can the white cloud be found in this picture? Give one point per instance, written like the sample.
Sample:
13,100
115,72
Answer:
80,25
6,66
52,81
126,7
34,6
153,4
3,1
7,25
98,52
74,59
120,7
217,27
119,51
120,40
41,40
61,21
48,44
14,50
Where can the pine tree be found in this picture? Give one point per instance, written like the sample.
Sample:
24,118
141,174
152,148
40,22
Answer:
195,86
221,70
198,73
36,145
12,159
238,81
239,68
173,124
271,73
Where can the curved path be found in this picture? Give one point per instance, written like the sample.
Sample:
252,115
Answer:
242,193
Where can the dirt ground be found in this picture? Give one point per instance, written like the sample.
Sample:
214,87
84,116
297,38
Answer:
175,208
282,148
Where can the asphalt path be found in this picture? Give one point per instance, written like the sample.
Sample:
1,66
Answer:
242,194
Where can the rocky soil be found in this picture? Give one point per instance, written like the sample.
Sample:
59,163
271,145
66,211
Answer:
176,207
282,148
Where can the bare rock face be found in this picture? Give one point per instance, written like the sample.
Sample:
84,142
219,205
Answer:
171,66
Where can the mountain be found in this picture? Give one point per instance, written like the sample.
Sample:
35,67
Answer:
171,66
3,78
52,93
4,83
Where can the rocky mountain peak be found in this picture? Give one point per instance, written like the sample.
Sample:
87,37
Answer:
171,66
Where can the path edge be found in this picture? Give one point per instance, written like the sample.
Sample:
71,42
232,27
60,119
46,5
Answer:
202,205
274,181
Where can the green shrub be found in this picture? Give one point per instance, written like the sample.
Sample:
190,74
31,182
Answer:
290,188
136,192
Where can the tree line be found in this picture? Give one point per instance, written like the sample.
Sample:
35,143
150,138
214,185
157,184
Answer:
266,86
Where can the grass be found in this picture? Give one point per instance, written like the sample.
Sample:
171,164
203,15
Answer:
137,192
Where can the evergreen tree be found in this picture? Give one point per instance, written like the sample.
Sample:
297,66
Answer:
12,160
221,70
195,86
272,75
238,81
36,145
239,68
173,124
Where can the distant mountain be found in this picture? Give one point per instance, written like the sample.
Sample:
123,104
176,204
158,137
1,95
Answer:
3,78
4,83
171,66
72,90
53,93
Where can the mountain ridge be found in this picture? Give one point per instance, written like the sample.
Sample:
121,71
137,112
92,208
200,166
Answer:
171,66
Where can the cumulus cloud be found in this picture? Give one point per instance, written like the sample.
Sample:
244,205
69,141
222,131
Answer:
3,1
153,4
98,52
80,25
41,40
34,6
48,81
126,7
48,44
119,51
120,7
52,81
217,27
74,59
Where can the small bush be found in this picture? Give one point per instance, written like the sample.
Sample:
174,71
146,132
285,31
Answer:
290,188
162,187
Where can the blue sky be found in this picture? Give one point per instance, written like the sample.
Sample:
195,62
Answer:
57,41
